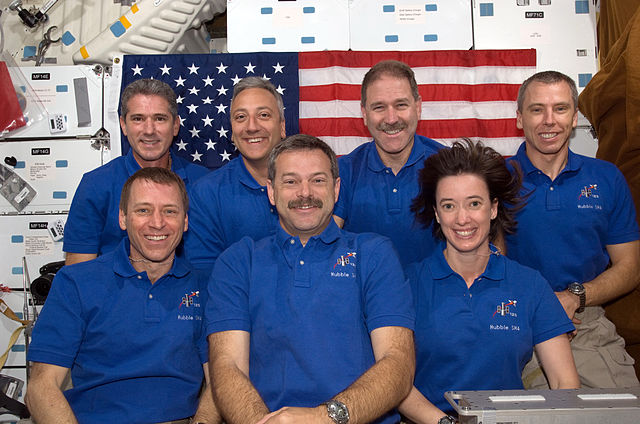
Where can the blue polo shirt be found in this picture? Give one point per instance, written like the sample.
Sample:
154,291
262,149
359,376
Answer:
92,225
567,223
135,350
226,205
373,199
309,310
479,338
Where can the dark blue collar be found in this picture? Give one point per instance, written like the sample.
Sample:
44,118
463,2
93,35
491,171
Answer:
418,151
122,266
328,236
440,268
574,161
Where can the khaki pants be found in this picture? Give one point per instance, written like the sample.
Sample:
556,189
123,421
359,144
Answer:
598,352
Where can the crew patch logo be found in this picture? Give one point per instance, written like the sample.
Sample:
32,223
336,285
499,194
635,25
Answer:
589,191
190,301
589,197
344,260
506,309
345,265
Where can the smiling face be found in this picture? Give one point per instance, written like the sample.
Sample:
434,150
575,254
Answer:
256,124
548,117
150,129
391,114
464,212
304,192
154,221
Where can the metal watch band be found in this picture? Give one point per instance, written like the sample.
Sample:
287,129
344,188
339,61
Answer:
579,290
338,412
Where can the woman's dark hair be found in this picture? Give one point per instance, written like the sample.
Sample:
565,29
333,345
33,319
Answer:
467,157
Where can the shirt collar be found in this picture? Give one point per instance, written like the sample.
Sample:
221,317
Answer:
574,161
245,176
376,165
130,162
177,165
123,267
440,268
328,236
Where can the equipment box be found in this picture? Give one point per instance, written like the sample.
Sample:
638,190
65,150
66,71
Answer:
580,406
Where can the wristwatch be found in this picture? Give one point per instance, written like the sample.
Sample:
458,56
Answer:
578,290
337,411
447,419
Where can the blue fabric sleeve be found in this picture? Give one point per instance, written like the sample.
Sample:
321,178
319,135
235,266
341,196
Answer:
344,198
549,319
60,327
204,240
623,226
86,219
386,291
228,305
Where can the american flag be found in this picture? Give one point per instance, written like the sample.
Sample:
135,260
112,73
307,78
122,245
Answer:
467,93
203,84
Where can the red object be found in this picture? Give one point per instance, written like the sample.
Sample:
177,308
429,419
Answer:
11,116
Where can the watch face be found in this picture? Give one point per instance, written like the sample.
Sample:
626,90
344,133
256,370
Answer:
447,420
341,413
338,412
576,288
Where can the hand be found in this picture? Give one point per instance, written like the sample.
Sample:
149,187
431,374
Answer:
289,414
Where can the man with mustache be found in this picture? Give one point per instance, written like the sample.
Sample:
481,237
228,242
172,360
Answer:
149,118
232,202
311,324
380,178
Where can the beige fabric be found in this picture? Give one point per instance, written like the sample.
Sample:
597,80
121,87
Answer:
599,353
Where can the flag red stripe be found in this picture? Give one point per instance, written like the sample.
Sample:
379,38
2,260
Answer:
462,58
428,92
451,128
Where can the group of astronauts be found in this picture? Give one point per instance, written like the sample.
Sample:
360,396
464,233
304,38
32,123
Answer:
291,286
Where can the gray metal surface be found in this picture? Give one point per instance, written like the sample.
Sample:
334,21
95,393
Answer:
583,406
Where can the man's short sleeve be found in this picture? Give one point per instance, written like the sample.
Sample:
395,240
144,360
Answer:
60,327
86,220
550,319
344,198
204,240
228,305
387,293
623,226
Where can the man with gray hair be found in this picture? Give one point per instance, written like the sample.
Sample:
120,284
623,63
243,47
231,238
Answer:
578,229
149,118
311,324
232,201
